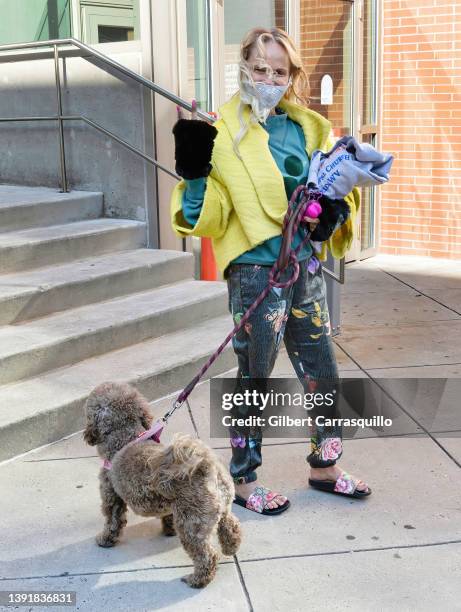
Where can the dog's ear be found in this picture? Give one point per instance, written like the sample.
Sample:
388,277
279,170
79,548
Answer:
90,435
146,418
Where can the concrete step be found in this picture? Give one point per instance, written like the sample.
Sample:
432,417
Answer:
34,248
157,367
26,207
60,339
36,293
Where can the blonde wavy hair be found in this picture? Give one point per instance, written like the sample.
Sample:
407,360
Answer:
298,90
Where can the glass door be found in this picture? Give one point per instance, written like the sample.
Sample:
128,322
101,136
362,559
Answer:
239,17
199,73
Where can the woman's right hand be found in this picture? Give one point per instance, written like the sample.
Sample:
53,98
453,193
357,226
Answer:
194,140
193,114
334,213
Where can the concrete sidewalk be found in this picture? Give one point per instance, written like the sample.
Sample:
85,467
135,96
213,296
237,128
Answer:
398,550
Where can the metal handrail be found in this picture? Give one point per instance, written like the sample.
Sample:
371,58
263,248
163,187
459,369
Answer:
60,118
109,62
101,129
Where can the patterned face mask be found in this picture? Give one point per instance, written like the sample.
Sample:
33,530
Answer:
262,97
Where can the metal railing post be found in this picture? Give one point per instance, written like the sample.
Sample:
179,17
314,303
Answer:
62,152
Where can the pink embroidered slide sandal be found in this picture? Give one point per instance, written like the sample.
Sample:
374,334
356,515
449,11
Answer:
344,485
258,500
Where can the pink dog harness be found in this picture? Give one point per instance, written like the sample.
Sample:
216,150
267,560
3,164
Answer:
150,434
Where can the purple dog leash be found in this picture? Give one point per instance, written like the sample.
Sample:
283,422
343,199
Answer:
300,201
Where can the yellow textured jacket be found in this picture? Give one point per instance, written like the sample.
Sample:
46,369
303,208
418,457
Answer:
245,200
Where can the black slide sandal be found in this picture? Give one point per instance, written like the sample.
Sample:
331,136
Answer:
345,485
258,499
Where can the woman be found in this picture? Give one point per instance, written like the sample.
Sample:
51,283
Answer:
238,177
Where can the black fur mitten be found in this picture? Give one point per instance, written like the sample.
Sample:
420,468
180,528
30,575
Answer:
334,213
194,142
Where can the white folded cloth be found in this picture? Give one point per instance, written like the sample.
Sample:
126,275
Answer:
348,164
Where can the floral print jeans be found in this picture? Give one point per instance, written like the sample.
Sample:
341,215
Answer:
298,315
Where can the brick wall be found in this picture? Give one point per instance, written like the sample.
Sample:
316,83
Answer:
324,48
280,17
421,211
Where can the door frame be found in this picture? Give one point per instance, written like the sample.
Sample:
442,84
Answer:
362,129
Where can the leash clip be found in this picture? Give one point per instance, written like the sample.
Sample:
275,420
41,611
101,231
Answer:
177,404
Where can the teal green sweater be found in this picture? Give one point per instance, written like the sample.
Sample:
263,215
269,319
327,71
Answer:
288,147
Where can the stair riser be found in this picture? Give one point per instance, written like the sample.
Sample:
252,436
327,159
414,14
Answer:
67,419
35,362
29,256
44,302
51,213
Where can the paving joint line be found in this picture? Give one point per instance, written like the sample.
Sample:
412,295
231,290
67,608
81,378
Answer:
243,584
424,365
59,459
403,324
351,551
191,416
389,324
264,444
401,435
424,429
352,359
103,573
418,291
405,411
254,560
306,441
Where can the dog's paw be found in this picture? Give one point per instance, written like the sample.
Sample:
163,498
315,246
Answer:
193,581
168,526
169,531
105,541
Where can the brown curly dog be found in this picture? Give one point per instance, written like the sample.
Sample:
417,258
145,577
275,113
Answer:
184,484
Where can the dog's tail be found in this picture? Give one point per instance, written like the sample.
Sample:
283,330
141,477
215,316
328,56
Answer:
229,533
184,459
191,455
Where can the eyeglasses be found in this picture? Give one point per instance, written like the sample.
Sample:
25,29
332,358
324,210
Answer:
266,71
